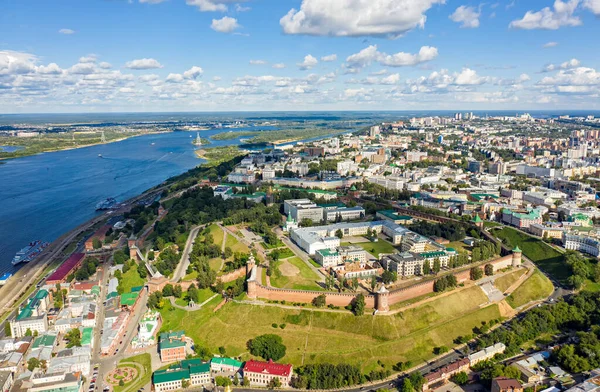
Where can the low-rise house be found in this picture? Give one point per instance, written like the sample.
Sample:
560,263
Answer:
487,353
503,384
442,375
261,373
53,382
356,269
171,346
192,371
531,368
225,365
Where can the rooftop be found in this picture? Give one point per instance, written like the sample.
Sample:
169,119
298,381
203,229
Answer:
268,368
66,267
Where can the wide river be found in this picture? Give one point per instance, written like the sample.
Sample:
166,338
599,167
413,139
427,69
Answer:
43,196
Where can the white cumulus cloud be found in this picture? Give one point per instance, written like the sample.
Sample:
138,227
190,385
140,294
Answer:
560,15
331,57
593,5
145,63
308,62
279,66
371,54
226,24
352,18
258,62
211,5
193,72
66,31
468,17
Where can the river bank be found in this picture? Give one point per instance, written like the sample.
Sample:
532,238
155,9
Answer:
25,152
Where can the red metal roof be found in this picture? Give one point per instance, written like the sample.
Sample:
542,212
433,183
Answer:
272,368
66,267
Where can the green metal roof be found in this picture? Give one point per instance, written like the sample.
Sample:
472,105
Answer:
226,361
477,219
187,363
392,215
25,313
198,369
517,249
86,336
112,295
161,376
44,341
41,294
327,252
136,289
128,299
172,335
164,344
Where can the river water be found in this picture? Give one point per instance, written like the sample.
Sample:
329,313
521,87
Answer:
43,196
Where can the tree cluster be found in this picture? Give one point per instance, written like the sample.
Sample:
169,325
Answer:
267,346
327,376
444,283
87,269
452,231
483,250
579,313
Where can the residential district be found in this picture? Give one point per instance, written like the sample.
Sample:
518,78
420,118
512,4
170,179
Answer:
372,223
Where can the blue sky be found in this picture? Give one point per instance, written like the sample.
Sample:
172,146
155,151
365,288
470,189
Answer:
208,55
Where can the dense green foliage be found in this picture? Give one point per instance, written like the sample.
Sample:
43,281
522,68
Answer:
358,305
452,231
73,338
444,283
582,356
268,346
87,269
578,313
490,370
327,376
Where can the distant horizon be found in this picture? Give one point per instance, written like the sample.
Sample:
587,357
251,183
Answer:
308,111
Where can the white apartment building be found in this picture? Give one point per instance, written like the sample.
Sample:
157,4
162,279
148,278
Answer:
343,213
389,182
268,173
303,209
328,258
346,167
404,264
580,243
487,353
19,327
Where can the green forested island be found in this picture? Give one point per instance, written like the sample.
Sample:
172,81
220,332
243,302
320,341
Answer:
280,136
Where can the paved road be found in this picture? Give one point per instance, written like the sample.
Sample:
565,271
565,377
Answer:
184,262
108,363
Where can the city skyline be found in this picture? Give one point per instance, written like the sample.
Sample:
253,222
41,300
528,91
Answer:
223,55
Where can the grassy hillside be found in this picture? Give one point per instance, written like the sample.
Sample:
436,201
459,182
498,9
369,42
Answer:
543,255
536,287
335,337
